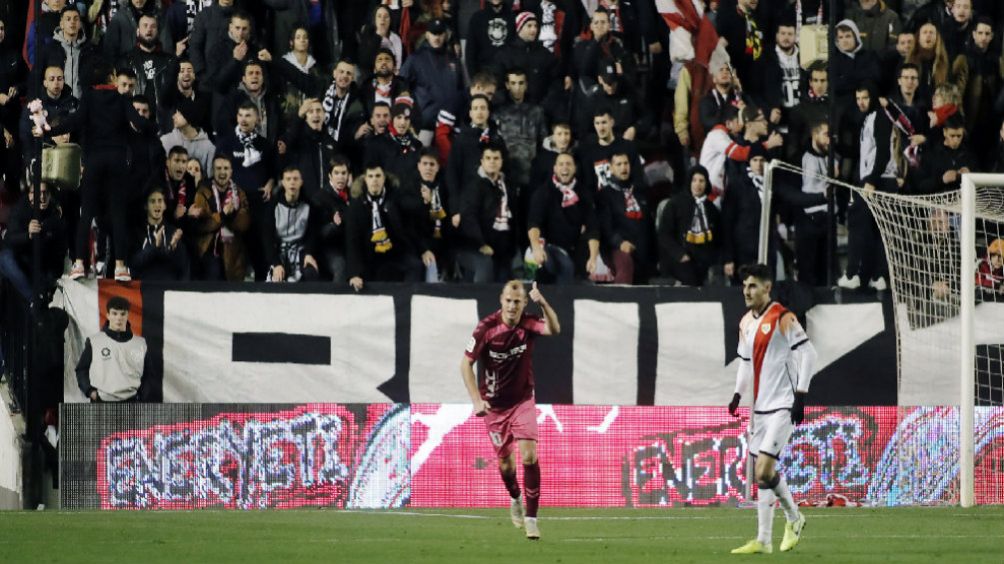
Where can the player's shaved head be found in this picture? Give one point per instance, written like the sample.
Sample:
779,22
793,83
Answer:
513,300
515,286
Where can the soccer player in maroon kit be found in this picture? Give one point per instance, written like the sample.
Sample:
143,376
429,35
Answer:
502,345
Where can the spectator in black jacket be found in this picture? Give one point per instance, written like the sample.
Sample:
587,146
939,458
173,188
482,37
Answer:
57,101
597,150
331,203
381,83
158,251
466,153
254,168
690,232
105,118
12,87
600,51
341,104
434,77
149,61
254,87
70,51
379,244
488,30
120,37
944,166
396,149
625,223
23,226
527,53
434,232
488,225
562,227
308,147
146,158
291,235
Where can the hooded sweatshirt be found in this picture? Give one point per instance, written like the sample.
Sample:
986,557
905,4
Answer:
852,68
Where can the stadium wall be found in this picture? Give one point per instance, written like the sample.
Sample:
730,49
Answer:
284,343
257,456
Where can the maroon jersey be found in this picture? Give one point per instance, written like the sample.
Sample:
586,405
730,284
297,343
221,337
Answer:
505,358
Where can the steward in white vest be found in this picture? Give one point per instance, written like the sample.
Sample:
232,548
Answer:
115,364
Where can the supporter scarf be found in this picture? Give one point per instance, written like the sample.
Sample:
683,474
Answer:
404,140
382,92
151,236
378,233
757,180
252,156
181,195
568,195
342,193
699,232
486,135
632,210
754,45
944,112
230,195
616,22
334,110
903,123
502,213
548,26
436,211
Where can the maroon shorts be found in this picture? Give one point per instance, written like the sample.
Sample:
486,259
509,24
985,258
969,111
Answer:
509,425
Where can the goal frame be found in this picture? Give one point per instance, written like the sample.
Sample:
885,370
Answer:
967,340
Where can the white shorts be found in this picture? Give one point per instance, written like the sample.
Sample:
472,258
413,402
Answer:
771,432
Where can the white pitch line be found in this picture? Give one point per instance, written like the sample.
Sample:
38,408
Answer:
724,537
416,514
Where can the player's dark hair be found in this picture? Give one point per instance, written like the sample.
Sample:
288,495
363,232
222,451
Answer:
759,271
117,302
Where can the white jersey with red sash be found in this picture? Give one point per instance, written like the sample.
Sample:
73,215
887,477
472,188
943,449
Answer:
771,347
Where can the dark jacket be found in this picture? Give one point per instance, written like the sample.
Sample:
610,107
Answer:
488,32
104,119
465,158
120,37
250,178
208,31
481,203
53,236
327,203
149,261
939,161
563,226
153,70
57,108
78,74
361,254
543,73
399,160
436,81
617,224
674,226
310,151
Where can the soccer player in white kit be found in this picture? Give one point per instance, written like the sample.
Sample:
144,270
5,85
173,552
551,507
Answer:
775,353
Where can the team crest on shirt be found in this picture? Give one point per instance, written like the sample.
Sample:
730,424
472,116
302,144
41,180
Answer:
765,328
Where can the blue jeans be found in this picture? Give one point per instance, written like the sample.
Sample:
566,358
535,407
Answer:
11,270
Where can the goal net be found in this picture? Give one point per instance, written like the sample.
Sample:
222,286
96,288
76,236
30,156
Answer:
944,256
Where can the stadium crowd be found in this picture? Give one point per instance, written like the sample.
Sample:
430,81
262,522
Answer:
394,140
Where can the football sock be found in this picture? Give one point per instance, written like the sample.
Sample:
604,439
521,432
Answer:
531,483
509,479
787,503
765,513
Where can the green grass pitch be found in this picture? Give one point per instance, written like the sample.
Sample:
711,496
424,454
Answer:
945,535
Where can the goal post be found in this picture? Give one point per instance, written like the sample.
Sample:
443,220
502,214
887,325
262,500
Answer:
948,312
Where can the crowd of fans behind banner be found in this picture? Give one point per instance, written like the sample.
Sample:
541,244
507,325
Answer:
440,140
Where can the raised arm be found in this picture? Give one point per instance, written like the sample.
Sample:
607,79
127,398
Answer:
550,316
